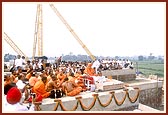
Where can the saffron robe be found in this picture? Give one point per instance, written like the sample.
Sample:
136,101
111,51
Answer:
39,88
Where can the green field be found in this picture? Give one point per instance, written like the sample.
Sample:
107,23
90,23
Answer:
154,67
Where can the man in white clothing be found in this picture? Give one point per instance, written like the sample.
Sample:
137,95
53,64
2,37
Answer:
12,101
19,62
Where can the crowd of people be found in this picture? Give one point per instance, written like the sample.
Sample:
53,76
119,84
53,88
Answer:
44,80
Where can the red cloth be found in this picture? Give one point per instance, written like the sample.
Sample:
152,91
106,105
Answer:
37,98
91,79
13,95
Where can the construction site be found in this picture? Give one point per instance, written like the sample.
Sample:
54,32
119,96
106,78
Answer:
125,90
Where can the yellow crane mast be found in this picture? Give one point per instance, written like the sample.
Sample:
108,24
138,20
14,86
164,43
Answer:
14,46
38,35
72,32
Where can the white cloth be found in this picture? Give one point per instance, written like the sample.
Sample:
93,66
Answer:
99,80
96,64
38,66
15,107
20,84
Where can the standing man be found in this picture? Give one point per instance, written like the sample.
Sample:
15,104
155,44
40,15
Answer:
19,62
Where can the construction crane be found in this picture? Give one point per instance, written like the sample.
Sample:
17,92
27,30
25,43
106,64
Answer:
38,35
14,46
73,33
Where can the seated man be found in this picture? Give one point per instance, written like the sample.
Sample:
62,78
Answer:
70,88
80,80
89,70
61,76
39,87
12,100
7,79
33,79
52,84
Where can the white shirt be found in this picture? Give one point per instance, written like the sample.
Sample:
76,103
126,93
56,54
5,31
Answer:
18,62
17,107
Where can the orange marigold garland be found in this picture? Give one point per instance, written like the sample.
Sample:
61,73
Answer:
122,101
59,102
106,104
91,105
119,103
134,99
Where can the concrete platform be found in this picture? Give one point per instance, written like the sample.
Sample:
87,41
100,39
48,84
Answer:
145,108
101,102
121,75
151,93
87,99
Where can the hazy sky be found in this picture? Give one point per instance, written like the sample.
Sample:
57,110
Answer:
107,29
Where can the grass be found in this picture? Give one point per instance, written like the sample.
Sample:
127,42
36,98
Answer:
154,67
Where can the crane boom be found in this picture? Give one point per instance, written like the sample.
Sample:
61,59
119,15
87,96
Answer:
35,35
72,32
40,31
38,35
13,45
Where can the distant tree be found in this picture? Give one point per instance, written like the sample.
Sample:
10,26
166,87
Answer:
140,58
151,57
8,57
116,57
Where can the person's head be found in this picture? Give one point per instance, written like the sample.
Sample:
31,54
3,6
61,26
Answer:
8,87
14,72
66,79
19,69
13,95
53,77
36,74
23,57
50,72
44,79
7,77
18,56
72,74
36,61
28,62
21,77
89,65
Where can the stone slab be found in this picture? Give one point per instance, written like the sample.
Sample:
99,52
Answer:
121,75
112,85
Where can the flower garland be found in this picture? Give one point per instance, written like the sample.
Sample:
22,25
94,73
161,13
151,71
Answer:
133,100
120,102
105,105
59,102
91,105
95,96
